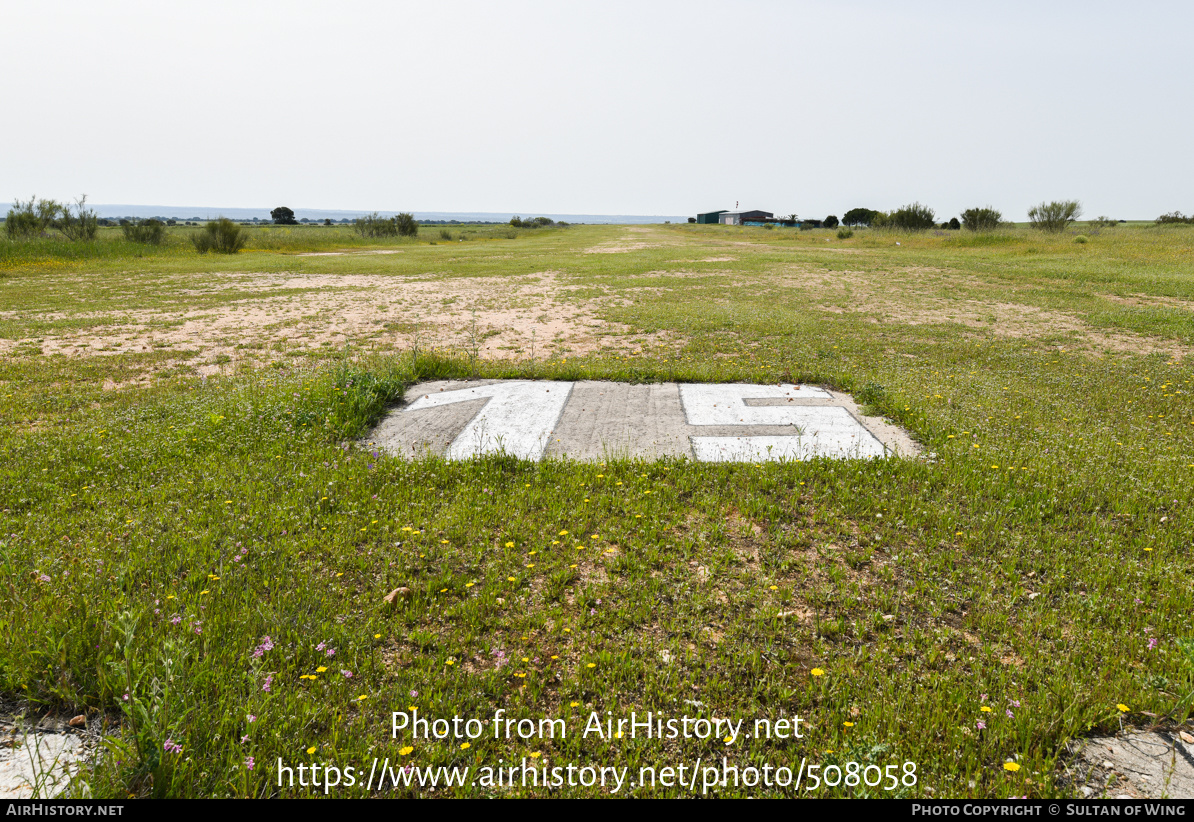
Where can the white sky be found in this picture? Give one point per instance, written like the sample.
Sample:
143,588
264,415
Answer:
571,106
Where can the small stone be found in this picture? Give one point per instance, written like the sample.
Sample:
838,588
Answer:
1087,791
1108,764
1187,738
79,721
501,601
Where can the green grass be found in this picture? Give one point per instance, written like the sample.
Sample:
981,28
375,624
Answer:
152,537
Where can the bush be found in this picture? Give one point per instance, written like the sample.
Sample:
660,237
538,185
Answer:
845,233
150,231
283,216
1055,216
375,225
1175,218
534,222
1103,221
860,216
912,217
31,218
954,225
220,236
981,219
1081,238
407,226
830,221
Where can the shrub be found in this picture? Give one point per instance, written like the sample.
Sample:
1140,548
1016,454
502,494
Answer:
374,225
845,233
1103,221
954,225
830,221
407,226
31,217
534,222
1055,216
150,231
80,224
1165,219
1081,238
283,216
981,219
444,234
912,217
859,216
220,236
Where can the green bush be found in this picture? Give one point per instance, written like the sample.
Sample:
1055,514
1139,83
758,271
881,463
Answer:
912,217
220,236
151,232
1081,238
830,221
845,233
30,218
981,219
407,226
1055,216
375,225
79,225
1175,218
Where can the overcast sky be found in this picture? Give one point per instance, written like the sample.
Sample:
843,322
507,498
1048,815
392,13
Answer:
569,106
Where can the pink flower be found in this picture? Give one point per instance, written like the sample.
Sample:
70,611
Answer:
346,674
982,726
249,764
269,680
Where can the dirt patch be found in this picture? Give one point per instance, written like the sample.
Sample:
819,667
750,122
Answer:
499,317
1135,765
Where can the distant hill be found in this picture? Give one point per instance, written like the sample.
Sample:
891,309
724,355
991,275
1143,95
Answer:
321,214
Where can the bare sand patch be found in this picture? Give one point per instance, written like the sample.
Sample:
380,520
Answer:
497,317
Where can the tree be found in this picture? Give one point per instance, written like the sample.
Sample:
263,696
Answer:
859,216
830,221
954,225
327,220
283,216
912,217
1055,216
981,219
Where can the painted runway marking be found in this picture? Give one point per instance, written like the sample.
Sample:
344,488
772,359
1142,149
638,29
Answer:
595,421
517,420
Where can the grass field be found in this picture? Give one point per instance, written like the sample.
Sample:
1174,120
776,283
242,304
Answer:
190,525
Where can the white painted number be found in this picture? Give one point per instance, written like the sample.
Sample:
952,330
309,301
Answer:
517,420
818,430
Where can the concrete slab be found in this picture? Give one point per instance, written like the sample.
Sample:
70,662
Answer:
1136,765
594,421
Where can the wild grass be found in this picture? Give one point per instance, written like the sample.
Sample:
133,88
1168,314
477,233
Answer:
1035,562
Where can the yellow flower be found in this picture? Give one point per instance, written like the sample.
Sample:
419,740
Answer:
465,746
536,755
469,584
1124,708
321,669
450,662
562,534
509,544
406,751
985,709
817,672
1011,766
377,636
773,588
591,665
573,704
362,696
509,579
848,724
311,750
